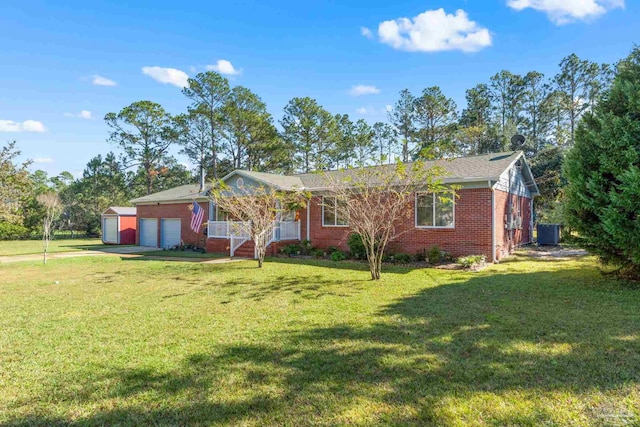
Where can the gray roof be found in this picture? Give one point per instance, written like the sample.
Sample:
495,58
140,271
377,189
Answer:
183,194
282,182
121,210
484,167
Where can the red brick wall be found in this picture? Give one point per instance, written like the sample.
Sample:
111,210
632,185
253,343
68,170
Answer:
507,240
174,210
128,230
471,234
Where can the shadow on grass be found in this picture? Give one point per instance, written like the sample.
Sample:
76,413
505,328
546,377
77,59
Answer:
498,335
343,265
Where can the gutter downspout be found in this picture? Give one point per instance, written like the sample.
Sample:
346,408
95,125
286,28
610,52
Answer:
493,224
308,217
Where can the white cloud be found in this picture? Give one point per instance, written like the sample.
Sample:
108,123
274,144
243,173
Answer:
103,81
26,126
167,75
84,114
388,108
43,160
366,32
565,11
361,110
224,67
434,31
363,90
373,111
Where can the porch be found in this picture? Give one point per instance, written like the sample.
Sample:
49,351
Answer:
235,232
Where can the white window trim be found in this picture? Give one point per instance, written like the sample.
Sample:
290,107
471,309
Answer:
438,227
335,213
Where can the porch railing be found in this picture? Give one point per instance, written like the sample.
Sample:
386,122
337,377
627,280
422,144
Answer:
282,230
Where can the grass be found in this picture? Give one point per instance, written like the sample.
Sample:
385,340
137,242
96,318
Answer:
131,342
26,247
182,254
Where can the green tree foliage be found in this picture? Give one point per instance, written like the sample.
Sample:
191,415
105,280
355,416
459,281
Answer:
249,138
403,119
579,82
208,93
15,185
344,141
363,138
506,91
538,114
436,119
144,131
547,169
309,130
477,132
603,170
384,142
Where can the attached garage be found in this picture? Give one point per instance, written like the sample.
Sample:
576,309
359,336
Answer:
170,235
119,226
149,232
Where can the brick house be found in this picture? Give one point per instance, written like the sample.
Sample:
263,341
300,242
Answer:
490,215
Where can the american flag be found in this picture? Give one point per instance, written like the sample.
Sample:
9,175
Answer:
197,215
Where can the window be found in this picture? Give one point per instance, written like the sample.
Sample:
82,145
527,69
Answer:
216,213
434,210
330,216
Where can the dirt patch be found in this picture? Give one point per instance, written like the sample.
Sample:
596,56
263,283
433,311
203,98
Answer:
551,252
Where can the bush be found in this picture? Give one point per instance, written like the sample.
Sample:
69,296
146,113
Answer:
471,261
332,249
402,258
291,249
318,253
434,255
356,246
420,256
338,255
12,231
305,247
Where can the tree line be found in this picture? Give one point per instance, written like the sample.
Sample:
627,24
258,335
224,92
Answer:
227,127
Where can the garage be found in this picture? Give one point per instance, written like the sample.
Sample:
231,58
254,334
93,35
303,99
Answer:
119,226
149,232
170,235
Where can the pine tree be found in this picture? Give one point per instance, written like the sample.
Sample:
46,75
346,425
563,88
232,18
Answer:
603,170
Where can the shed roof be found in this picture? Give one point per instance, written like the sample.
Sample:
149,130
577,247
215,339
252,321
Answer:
120,210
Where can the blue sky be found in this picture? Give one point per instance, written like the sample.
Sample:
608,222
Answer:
64,66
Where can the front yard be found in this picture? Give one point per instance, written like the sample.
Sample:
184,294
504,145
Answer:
27,247
131,342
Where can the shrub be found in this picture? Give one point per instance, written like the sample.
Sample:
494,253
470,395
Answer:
356,246
291,249
338,255
12,231
318,253
305,247
420,256
434,255
471,261
447,257
332,249
402,258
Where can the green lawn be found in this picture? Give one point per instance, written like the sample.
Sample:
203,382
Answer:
25,247
183,254
141,342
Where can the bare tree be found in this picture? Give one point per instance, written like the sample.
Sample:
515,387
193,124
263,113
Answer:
53,207
255,210
375,201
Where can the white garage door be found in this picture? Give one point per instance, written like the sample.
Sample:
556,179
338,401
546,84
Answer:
170,232
110,230
149,232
